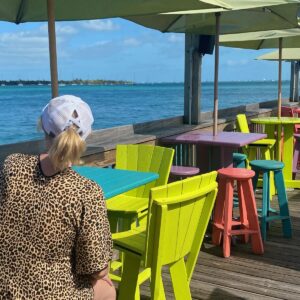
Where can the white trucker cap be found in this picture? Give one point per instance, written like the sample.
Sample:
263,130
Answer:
64,111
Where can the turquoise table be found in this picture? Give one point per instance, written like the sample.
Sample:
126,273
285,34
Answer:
115,181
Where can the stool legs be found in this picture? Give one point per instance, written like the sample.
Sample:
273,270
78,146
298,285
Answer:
223,223
265,205
283,214
218,213
228,218
256,240
283,204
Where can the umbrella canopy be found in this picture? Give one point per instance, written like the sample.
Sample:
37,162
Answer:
245,16
292,55
263,40
288,54
19,11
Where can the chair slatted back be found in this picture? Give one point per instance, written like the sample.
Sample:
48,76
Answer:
242,123
287,111
145,158
178,217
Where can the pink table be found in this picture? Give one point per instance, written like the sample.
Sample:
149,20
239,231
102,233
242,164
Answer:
226,142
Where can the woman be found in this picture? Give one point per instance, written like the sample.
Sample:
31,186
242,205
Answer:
55,241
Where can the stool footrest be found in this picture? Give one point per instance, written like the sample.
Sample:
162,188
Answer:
242,231
274,218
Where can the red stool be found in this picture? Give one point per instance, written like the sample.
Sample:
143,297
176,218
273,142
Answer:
223,223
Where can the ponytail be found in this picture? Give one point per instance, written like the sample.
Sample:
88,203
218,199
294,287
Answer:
66,149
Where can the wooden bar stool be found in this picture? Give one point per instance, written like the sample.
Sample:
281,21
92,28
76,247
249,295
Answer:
223,223
239,160
183,171
268,214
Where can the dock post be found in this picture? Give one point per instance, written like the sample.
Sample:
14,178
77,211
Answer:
192,79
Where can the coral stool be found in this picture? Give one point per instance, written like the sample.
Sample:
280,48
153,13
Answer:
223,223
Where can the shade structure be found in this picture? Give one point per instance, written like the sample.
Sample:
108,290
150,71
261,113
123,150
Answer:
263,40
244,17
292,55
19,11
288,54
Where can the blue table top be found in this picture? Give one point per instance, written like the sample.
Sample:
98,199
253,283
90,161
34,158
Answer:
115,181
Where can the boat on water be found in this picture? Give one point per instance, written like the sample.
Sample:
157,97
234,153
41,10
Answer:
20,84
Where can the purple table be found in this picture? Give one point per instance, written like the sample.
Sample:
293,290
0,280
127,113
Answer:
227,142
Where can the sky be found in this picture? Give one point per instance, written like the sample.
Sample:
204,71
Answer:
116,49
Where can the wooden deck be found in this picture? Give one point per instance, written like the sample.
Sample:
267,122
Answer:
274,275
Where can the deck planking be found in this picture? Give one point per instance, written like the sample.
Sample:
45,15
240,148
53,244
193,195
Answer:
274,275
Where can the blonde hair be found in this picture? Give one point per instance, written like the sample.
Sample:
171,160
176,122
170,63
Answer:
66,149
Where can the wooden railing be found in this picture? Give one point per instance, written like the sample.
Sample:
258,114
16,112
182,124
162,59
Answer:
101,144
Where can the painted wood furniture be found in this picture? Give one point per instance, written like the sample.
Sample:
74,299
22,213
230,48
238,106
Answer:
286,125
178,217
114,181
287,111
239,160
267,214
226,142
265,146
132,207
223,223
184,171
296,158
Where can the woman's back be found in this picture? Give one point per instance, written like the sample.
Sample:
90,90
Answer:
53,231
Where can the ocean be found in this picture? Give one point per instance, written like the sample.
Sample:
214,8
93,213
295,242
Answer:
120,105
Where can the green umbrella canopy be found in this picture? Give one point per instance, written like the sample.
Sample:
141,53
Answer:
245,16
288,54
19,11
262,39
265,39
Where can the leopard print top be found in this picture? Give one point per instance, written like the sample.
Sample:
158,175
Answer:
54,232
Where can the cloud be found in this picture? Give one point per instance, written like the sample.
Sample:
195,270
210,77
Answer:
59,29
131,42
100,25
176,38
232,63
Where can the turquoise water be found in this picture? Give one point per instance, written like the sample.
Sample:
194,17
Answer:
120,105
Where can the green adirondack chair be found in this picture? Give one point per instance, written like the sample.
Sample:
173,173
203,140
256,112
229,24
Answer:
124,210
177,220
265,147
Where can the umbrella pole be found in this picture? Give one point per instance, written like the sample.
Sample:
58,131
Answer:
216,77
52,47
279,77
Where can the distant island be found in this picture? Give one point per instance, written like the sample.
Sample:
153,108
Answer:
66,82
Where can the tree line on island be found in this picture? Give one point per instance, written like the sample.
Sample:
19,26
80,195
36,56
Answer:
66,82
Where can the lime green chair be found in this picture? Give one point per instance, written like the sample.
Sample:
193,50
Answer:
178,217
264,146
126,209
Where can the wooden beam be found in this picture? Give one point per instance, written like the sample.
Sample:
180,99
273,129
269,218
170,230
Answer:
52,47
192,79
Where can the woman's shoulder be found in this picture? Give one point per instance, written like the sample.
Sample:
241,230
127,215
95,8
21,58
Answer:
17,159
82,182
